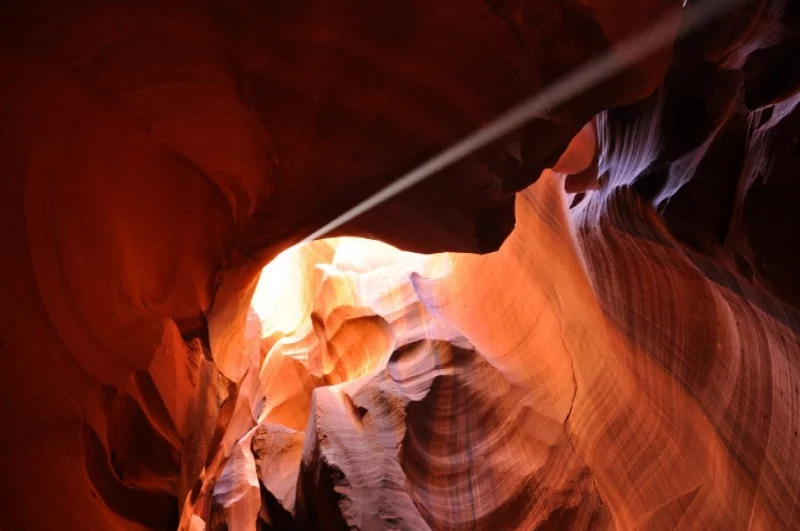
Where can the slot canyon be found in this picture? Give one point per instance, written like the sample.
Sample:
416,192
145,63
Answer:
592,322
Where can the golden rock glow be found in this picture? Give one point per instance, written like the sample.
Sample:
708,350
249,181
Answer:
288,285
280,298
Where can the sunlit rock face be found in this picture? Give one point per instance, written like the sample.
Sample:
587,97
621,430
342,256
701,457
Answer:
608,344
554,394
379,414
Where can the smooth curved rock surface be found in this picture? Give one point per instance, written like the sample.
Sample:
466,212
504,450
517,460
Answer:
625,356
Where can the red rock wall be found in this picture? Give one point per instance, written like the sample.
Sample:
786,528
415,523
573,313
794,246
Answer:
156,155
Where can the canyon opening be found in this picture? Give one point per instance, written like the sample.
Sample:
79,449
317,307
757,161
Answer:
426,265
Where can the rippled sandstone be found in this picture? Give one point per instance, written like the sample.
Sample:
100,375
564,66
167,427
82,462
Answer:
611,343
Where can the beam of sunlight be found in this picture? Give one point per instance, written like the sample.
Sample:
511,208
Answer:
607,65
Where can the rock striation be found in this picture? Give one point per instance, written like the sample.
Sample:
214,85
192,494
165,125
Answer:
592,323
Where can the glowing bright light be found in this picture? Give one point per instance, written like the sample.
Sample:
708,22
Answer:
281,298
358,254
289,284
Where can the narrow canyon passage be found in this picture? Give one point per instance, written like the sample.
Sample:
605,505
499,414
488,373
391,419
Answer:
590,323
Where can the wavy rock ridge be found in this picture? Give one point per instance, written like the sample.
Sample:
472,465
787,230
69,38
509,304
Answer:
611,343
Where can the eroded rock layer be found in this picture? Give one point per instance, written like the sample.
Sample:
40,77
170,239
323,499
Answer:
625,356
585,399
409,427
